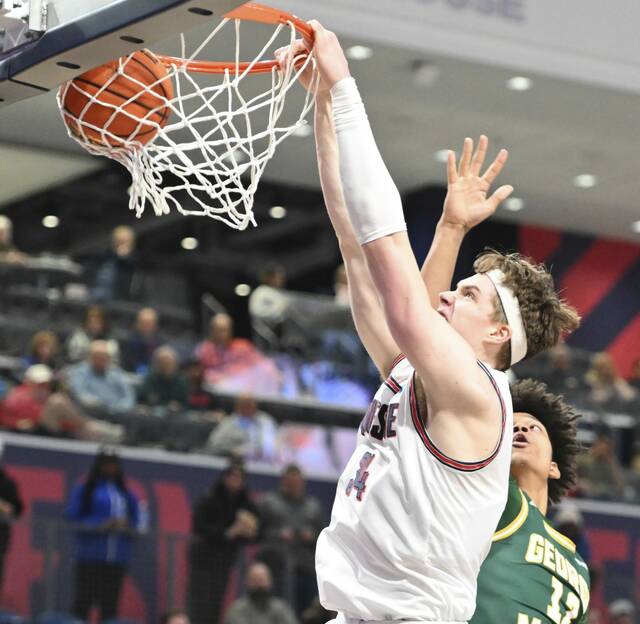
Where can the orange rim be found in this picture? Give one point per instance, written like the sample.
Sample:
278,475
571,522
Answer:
253,12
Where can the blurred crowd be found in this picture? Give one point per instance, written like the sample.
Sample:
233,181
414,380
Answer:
129,385
250,555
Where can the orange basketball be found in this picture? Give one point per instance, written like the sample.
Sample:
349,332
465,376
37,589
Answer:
129,87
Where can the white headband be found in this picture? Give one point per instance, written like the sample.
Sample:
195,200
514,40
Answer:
511,309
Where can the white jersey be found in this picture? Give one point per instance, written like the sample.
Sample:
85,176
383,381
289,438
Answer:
410,526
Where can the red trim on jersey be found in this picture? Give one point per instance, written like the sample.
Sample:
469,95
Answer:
433,449
398,359
392,384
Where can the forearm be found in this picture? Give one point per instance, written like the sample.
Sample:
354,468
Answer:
440,263
372,199
365,305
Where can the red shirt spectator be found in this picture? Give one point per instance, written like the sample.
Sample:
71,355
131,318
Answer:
234,364
23,406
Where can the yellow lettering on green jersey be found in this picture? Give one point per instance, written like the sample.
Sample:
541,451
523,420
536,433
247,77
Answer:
572,602
535,551
549,553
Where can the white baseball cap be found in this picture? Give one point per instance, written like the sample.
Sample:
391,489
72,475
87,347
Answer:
38,373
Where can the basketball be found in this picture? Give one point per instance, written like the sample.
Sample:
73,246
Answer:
126,97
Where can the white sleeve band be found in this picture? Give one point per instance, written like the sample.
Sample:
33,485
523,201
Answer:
372,199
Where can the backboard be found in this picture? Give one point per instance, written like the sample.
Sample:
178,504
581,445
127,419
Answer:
45,43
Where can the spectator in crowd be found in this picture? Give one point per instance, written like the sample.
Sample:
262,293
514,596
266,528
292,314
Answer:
138,348
234,364
634,380
114,277
569,521
107,514
36,407
259,605
622,611
97,384
164,386
599,470
175,616
22,408
341,286
560,373
198,398
94,327
9,254
604,382
11,507
223,520
247,432
268,303
43,349
291,521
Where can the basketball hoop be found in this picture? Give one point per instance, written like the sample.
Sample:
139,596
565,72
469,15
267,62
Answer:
189,136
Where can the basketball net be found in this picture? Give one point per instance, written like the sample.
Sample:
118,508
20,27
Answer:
208,159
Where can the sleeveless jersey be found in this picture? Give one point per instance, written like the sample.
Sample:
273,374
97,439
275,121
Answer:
410,526
532,574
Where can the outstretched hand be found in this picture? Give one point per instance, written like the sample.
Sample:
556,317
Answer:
467,203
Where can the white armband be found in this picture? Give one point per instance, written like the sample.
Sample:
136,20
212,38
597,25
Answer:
372,199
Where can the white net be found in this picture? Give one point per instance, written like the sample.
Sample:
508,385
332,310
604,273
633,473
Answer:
219,134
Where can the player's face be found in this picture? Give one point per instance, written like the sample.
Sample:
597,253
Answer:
532,451
470,308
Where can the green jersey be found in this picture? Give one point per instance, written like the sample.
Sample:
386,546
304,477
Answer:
533,574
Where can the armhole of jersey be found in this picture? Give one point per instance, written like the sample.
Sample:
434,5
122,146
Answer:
419,424
516,523
391,382
558,537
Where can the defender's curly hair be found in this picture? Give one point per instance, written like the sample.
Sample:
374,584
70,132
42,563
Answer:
545,315
559,419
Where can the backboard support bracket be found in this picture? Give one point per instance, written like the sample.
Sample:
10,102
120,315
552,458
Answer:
68,40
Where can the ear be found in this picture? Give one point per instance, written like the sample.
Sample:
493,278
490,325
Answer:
500,334
554,471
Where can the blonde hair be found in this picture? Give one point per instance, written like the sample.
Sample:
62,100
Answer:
546,317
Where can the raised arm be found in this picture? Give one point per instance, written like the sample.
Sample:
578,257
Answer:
367,311
444,360
366,308
465,206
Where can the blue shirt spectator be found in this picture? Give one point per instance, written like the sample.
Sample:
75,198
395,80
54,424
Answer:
107,516
97,384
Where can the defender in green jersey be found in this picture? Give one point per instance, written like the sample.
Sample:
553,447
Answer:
533,574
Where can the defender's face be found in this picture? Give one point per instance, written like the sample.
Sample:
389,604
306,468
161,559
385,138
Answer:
532,448
470,308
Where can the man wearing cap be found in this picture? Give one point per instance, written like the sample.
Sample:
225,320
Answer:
622,611
419,500
22,409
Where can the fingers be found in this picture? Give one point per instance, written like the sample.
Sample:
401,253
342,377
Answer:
452,171
465,159
500,195
480,155
496,166
284,54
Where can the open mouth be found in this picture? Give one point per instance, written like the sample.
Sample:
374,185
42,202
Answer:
520,440
442,314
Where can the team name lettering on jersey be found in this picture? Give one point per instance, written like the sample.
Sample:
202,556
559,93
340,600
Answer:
542,551
379,421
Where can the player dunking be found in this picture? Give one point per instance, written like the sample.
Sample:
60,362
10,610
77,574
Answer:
533,574
419,500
